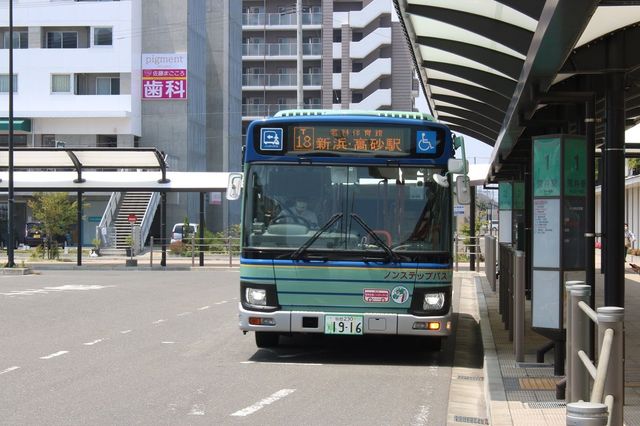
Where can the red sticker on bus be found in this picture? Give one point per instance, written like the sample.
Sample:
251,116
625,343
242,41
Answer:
376,295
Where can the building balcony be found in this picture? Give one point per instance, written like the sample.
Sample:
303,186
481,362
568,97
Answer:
251,111
71,106
280,49
278,19
279,80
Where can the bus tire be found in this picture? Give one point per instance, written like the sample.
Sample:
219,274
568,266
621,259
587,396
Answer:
267,340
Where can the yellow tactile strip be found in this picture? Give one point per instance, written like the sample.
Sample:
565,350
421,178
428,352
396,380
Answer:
537,383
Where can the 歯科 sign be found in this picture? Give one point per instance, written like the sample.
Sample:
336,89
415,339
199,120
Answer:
164,76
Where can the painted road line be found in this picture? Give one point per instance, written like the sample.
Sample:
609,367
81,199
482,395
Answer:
196,410
313,364
93,342
263,403
160,321
204,308
126,331
221,303
10,369
59,353
184,314
168,343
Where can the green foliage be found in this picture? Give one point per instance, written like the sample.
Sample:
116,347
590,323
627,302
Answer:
634,165
57,213
55,210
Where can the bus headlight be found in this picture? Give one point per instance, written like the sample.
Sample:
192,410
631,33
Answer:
433,301
256,296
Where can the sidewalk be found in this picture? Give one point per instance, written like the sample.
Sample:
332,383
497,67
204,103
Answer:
524,393
116,262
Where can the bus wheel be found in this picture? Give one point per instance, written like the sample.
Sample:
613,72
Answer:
267,340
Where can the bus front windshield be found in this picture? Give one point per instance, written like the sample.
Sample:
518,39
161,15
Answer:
339,208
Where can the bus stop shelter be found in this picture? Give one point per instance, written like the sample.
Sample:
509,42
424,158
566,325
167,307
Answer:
508,71
85,170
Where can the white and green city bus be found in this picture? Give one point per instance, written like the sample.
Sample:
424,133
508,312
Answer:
372,251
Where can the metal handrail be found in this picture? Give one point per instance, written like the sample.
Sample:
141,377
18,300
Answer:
107,218
608,375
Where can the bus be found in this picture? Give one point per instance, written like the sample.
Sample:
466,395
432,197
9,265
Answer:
347,224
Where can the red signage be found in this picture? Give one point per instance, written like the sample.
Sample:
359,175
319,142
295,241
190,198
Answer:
132,218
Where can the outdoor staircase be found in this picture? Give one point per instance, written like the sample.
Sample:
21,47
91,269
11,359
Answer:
131,203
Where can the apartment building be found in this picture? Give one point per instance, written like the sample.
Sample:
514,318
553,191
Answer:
354,57
79,81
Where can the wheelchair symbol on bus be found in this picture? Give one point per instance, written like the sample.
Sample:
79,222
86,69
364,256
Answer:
426,142
271,139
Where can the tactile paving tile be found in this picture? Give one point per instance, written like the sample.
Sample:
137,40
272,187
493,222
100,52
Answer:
522,396
537,383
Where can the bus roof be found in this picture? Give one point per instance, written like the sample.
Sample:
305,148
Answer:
394,114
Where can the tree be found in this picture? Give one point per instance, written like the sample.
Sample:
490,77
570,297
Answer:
634,165
56,212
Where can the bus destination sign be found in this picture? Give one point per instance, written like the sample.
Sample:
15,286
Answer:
351,139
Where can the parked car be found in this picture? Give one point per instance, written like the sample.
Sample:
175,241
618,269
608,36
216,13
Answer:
33,234
177,232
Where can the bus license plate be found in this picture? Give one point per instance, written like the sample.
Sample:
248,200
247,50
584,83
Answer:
343,324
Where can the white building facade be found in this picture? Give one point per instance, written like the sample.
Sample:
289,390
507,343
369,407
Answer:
78,82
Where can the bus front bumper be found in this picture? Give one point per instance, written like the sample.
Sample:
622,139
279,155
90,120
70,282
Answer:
373,323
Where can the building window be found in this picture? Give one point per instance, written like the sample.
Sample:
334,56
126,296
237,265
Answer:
356,67
62,40
356,97
48,141
4,83
107,86
103,36
356,36
337,97
18,140
107,141
61,83
337,36
337,66
20,39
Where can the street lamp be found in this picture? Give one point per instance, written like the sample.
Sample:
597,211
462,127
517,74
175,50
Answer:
10,202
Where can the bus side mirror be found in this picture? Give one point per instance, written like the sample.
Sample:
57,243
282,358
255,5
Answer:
463,190
234,187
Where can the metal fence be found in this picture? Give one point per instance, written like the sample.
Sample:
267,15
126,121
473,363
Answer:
606,400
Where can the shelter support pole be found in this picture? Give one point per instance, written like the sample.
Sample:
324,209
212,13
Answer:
614,177
79,221
472,230
590,215
163,227
201,229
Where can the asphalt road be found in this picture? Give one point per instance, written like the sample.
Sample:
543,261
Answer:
119,347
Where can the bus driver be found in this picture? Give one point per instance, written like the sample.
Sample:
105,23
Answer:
300,211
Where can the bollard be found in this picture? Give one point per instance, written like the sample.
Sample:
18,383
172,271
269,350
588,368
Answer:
518,306
578,338
569,350
455,253
151,252
193,249
586,414
613,317
230,254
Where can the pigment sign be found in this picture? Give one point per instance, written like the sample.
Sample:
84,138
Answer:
164,76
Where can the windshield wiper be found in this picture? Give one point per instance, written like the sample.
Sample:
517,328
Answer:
296,254
376,238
